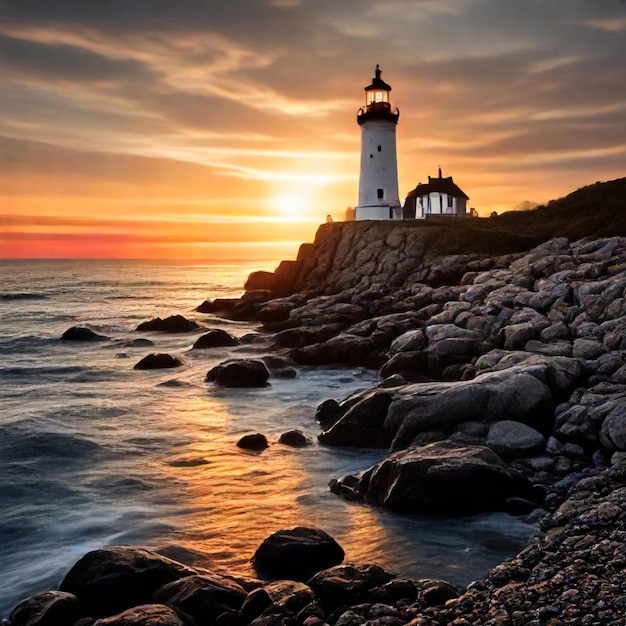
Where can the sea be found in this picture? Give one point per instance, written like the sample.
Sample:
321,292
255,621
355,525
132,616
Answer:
95,453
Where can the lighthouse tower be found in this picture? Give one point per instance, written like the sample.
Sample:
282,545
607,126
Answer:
378,181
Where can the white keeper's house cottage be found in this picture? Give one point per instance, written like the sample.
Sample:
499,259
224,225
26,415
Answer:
378,179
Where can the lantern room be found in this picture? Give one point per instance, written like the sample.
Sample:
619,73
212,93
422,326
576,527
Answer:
378,91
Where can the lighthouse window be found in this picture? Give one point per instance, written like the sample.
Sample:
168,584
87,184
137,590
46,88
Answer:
380,193
380,148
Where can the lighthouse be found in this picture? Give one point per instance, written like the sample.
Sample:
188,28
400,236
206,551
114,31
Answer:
378,180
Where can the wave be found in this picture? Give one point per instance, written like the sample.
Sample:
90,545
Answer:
41,447
23,296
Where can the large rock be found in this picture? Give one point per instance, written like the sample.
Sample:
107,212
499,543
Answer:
202,598
172,324
361,425
613,431
511,439
344,349
49,608
239,373
349,584
296,553
82,333
157,361
110,580
440,478
286,597
145,615
517,393
215,338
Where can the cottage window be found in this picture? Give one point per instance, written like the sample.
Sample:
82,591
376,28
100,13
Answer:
450,201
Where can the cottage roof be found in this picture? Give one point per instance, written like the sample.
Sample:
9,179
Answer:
441,185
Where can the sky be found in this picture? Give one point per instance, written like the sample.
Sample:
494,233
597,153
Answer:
216,130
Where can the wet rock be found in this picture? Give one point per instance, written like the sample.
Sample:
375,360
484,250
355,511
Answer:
296,553
203,598
145,615
158,361
442,478
215,338
328,412
511,439
349,584
344,349
286,597
239,373
219,305
256,441
361,425
49,608
279,367
295,439
172,324
113,579
82,333
139,342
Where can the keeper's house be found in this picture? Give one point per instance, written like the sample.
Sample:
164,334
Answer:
439,196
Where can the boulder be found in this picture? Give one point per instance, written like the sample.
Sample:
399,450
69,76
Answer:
295,439
328,412
219,305
256,441
613,431
361,425
82,333
287,597
172,324
306,335
410,341
344,349
215,338
346,585
239,373
296,553
512,439
157,361
145,615
202,598
441,478
112,579
49,608
516,393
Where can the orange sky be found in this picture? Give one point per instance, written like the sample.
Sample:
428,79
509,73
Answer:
228,130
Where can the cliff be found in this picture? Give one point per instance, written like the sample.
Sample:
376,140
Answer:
362,254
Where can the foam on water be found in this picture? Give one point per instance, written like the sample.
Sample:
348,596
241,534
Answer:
94,453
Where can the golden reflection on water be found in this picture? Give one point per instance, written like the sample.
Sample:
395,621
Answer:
233,499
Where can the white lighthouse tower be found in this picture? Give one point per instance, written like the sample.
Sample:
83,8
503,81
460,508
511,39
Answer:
378,181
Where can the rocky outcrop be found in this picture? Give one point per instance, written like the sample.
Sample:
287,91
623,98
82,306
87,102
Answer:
440,478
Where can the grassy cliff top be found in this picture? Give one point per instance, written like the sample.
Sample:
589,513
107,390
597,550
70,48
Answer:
597,210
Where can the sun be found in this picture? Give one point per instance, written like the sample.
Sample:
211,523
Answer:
291,208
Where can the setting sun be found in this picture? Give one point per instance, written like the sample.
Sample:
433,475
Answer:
292,208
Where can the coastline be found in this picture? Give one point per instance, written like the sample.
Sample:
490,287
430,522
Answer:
466,344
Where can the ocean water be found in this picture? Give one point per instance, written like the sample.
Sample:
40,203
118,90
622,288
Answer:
94,453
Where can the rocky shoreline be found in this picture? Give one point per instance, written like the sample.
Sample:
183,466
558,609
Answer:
502,387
